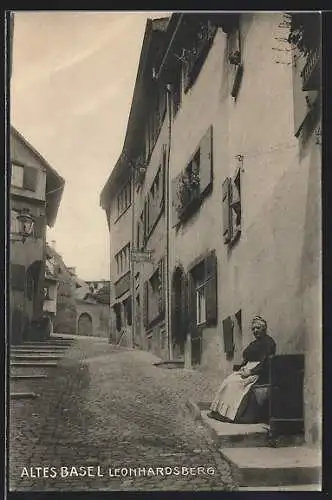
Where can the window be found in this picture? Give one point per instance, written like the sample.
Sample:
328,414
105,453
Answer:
17,175
231,199
24,177
202,287
122,259
124,199
194,183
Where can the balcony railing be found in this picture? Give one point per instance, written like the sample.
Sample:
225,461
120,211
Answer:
311,71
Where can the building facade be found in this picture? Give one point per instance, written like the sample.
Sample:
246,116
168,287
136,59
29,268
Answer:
134,201
35,194
240,231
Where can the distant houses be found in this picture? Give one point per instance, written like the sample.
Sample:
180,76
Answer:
79,307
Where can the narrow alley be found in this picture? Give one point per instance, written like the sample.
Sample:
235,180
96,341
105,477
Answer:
113,408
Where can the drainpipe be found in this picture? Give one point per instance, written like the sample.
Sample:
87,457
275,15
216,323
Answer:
168,229
132,265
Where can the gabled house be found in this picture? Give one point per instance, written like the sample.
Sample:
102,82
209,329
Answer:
34,197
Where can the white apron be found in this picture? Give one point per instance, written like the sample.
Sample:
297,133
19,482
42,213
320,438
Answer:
232,391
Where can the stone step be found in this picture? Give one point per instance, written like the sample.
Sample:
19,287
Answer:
45,343
170,364
23,349
239,435
35,357
23,395
274,467
37,364
236,435
28,377
26,384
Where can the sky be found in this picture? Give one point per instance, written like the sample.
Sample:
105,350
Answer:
71,90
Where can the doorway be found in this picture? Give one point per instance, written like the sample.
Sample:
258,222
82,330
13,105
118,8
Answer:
178,313
85,324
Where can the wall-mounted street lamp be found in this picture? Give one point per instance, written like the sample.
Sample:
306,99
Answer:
26,224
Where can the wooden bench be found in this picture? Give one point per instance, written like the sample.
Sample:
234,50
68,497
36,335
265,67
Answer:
283,409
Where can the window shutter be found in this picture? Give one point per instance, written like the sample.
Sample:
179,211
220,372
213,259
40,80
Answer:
129,312
145,304
226,210
17,277
211,289
192,321
227,325
40,225
301,107
186,76
175,199
235,196
30,178
162,105
205,171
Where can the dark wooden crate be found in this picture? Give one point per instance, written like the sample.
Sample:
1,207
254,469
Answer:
286,373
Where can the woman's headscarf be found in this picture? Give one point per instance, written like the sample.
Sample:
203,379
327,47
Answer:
258,319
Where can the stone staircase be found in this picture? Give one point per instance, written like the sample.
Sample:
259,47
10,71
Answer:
259,464
30,362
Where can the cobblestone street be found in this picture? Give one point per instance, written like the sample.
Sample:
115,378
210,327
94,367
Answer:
111,407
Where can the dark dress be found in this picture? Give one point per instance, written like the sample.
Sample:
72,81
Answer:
258,350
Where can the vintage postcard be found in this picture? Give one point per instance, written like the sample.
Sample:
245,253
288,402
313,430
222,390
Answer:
165,260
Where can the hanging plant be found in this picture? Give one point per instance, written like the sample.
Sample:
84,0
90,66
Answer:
235,58
188,189
304,32
194,180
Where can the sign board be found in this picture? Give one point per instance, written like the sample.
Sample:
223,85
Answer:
141,255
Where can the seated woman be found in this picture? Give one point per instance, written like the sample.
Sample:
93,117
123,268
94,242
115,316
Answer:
235,401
